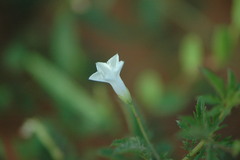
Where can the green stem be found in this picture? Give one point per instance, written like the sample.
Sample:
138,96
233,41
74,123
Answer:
195,150
129,118
144,133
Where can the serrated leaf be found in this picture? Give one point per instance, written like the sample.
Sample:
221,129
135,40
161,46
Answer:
200,110
192,128
185,122
216,82
131,145
215,111
211,99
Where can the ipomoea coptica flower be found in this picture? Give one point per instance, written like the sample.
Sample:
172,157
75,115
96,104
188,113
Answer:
110,73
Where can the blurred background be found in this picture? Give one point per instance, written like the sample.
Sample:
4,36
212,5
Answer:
50,110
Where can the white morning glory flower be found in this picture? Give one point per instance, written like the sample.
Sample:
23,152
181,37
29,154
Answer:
110,73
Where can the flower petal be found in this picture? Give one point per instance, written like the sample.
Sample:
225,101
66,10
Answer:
97,76
113,61
119,66
103,68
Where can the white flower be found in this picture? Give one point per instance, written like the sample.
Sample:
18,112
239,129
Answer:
110,73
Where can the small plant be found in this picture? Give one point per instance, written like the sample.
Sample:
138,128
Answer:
199,131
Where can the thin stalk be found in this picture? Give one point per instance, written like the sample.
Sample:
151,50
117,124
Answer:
129,118
144,133
195,150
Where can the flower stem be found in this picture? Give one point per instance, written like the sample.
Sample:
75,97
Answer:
129,118
144,133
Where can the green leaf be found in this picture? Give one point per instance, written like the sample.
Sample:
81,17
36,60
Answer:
232,90
200,109
216,82
185,122
211,99
200,125
191,54
222,45
192,129
132,145
232,83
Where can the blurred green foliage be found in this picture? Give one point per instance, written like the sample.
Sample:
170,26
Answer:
236,14
222,45
159,100
191,54
65,46
67,92
149,88
150,13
